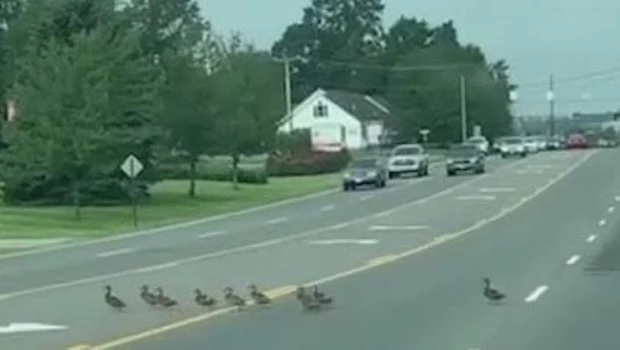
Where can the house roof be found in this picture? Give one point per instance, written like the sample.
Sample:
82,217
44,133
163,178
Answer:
362,107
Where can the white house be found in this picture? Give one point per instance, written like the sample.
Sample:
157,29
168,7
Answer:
339,119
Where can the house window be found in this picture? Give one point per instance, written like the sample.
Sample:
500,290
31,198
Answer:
320,110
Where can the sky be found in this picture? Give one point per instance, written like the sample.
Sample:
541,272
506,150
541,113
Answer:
576,41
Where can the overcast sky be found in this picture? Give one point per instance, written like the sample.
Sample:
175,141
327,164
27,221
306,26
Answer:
566,38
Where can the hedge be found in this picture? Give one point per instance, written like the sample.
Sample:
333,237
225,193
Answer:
311,163
216,172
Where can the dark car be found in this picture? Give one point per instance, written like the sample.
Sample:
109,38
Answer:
366,171
464,158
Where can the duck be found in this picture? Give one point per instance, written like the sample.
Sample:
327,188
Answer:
233,299
308,303
203,299
320,297
147,296
164,300
115,302
491,293
258,297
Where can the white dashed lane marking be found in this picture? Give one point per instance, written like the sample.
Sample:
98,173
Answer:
536,294
602,222
327,208
497,190
211,234
366,197
611,209
592,238
475,198
398,228
277,221
115,252
573,260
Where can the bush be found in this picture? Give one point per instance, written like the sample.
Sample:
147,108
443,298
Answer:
176,171
312,163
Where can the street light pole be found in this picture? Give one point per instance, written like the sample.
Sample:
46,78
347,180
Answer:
463,109
551,98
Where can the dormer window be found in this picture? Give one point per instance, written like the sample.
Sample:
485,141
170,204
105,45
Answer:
320,110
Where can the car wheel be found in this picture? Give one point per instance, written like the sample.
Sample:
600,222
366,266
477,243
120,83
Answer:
504,155
391,175
450,173
345,187
523,155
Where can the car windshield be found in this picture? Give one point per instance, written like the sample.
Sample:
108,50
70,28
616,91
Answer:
364,163
463,151
513,141
407,151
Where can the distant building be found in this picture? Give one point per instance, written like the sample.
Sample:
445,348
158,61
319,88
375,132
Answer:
338,119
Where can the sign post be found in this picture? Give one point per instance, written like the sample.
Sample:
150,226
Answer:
132,167
425,133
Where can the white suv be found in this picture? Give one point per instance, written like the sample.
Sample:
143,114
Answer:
408,159
513,146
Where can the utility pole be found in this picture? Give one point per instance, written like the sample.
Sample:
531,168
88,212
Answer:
551,98
287,86
463,109
287,91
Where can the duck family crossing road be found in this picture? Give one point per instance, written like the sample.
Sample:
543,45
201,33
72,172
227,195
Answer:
545,238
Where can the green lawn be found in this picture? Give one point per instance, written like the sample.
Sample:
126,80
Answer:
169,204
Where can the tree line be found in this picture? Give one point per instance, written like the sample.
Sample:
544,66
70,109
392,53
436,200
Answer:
96,80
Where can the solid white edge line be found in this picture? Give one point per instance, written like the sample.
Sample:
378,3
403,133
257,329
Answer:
536,294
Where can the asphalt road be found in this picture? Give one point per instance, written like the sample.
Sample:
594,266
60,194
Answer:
430,300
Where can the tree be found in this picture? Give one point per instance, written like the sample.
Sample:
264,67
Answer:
189,112
424,83
332,36
249,103
84,107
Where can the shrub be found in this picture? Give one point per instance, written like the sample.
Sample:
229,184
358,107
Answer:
311,163
172,171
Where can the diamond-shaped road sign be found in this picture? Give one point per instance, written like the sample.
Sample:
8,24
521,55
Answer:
132,166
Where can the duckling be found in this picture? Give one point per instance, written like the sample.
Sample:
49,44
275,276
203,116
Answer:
258,297
164,300
147,296
308,303
490,293
320,297
203,299
115,302
233,299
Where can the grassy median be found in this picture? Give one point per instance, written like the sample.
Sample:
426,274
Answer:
169,204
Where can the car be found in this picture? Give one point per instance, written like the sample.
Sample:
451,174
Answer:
408,159
553,143
513,146
363,172
576,141
465,157
480,142
531,144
